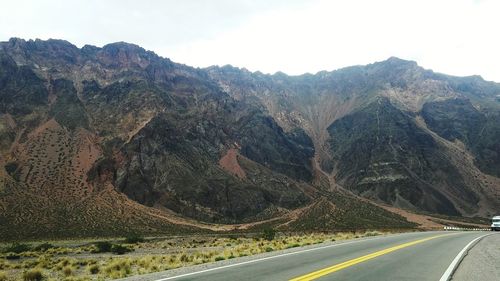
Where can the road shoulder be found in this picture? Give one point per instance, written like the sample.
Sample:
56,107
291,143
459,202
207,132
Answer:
481,262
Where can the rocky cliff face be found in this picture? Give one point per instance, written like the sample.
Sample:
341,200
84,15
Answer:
116,139
391,131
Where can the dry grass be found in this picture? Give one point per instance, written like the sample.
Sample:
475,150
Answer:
67,271
93,269
118,268
81,263
33,275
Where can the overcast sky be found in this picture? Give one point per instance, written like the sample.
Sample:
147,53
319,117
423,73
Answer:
459,37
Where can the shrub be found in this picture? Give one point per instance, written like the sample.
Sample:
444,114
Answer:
33,275
219,258
102,247
17,248
43,247
120,249
67,271
269,234
184,257
11,167
134,239
94,269
269,249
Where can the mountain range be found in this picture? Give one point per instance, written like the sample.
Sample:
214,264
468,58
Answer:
112,140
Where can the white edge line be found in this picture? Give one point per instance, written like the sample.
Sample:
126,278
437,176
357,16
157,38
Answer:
449,271
262,259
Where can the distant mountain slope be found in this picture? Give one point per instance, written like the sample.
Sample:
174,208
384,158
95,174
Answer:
384,130
102,141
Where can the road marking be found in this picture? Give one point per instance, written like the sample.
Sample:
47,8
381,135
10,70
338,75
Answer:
268,258
322,272
449,271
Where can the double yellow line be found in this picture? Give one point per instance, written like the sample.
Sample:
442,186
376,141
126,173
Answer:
340,266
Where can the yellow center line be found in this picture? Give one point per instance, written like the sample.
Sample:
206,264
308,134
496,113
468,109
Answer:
322,272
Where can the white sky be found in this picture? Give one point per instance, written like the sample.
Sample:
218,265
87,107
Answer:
459,37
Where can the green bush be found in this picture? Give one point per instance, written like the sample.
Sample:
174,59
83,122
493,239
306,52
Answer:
43,247
102,247
219,258
17,248
134,239
269,249
11,167
269,234
33,275
120,249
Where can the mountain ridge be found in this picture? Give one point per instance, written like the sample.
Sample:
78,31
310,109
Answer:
84,124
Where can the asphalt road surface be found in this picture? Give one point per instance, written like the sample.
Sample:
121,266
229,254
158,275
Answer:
410,256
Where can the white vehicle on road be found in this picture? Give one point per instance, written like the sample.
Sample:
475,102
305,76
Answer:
495,223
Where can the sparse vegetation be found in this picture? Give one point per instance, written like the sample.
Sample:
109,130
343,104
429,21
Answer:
67,270
118,268
269,234
120,249
134,239
93,269
372,233
17,248
293,245
109,260
43,247
102,247
12,256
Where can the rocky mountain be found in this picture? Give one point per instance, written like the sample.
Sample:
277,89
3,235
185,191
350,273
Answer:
104,141
391,131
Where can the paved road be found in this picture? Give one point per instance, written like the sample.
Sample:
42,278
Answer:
410,256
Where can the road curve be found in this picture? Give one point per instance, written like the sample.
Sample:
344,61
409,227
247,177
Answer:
409,256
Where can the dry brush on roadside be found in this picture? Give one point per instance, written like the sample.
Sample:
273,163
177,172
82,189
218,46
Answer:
83,260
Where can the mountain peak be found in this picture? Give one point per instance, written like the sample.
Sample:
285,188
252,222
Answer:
398,61
124,46
126,54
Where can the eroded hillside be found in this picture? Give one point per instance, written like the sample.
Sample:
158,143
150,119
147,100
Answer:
100,141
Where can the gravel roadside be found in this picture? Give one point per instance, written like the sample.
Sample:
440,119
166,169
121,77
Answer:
482,261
